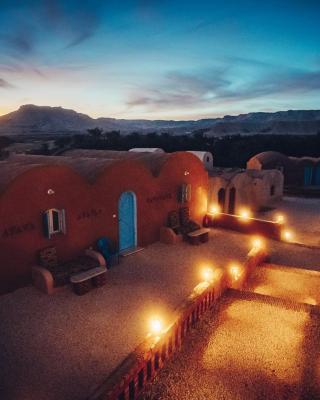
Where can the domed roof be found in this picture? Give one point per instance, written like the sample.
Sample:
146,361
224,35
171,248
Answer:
269,156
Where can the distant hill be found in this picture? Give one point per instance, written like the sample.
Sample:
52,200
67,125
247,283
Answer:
32,119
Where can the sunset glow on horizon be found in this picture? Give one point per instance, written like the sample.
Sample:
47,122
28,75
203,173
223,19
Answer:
160,59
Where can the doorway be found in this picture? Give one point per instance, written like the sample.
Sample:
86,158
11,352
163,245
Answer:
232,200
221,198
127,221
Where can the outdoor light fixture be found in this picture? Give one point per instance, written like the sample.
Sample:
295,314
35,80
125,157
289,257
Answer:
245,214
214,209
50,192
280,219
155,326
287,235
207,274
235,271
257,243
186,173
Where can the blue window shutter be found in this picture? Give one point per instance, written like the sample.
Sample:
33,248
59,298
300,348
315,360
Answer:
45,224
62,221
188,192
180,194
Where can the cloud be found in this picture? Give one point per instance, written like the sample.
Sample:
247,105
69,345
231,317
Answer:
20,43
5,84
231,82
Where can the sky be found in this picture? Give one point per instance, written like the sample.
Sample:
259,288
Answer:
160,59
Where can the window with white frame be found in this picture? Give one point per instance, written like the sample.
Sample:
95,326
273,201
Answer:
54,222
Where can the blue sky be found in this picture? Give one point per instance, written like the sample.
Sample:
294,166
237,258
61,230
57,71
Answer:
159,58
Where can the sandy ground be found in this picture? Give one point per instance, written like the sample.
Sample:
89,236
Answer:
303,217
60,346
293,255
296,284
243,350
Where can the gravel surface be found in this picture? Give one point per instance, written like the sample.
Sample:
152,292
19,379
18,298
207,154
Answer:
60,346
303,216
294,255
244,350
296,285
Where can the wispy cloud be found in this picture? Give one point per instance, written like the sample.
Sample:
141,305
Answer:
221,85
5,84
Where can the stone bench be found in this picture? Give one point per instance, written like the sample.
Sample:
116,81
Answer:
198,236
83,281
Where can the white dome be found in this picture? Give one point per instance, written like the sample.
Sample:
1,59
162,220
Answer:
205,157
147,150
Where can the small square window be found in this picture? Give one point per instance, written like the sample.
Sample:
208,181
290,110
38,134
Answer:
54,222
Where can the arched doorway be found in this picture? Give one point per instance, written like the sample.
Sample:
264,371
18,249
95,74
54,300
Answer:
232,200
221,198
127,221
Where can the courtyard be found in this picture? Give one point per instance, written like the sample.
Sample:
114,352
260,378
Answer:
63,346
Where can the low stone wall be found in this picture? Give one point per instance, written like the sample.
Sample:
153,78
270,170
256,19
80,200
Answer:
269,229
128,380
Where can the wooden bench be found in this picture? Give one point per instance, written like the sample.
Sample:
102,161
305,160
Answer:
82,282
198,236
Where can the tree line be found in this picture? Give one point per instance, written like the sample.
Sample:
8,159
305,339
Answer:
228,151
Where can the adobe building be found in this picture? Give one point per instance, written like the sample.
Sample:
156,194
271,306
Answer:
304,171
233,189
70,201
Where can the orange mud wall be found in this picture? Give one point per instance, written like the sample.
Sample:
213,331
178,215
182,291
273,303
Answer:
91,208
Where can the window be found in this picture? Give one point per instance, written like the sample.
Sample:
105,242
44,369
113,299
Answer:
208,159
272,190
54,222
185,193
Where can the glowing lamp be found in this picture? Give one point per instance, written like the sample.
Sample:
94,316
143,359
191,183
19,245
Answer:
155,326
207,274
257,243
214,209
287,235
280,219
245,214
235,271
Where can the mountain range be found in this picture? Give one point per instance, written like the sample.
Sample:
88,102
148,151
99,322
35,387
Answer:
30,119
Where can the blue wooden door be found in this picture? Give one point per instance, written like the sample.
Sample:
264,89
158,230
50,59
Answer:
307,175
127,221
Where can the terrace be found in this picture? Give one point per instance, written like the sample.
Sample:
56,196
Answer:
63,346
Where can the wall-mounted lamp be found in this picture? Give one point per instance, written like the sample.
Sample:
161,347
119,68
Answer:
186,173
50,192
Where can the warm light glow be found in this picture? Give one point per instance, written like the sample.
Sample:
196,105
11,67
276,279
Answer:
155,326
214,209
235,271
257,243
287,235
207,274
245,214
280,219
310,300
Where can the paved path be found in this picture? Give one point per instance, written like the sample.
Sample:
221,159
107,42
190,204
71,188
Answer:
246,349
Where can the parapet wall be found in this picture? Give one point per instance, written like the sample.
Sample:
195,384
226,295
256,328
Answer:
128,380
